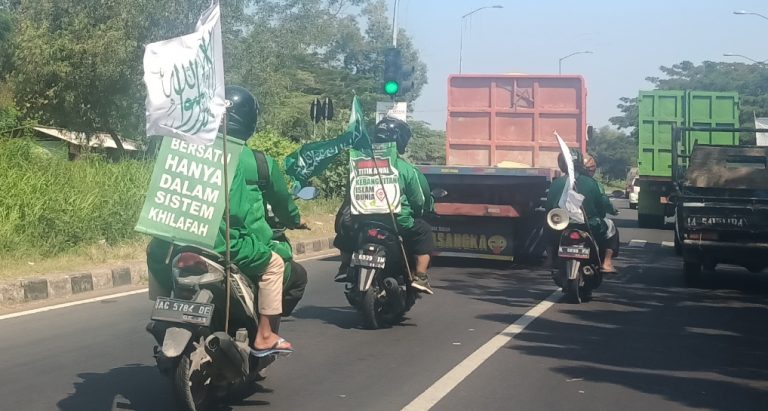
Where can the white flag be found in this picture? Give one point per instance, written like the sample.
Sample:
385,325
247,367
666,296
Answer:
570,200
762,138
185,82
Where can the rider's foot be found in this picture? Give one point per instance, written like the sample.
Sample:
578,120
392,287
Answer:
421,283
608,269
273,342
341,276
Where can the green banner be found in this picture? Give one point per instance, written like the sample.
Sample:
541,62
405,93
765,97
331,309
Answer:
185,200
313,158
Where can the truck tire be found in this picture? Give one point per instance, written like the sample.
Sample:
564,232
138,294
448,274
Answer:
692,272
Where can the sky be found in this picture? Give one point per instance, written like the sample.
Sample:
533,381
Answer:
630,40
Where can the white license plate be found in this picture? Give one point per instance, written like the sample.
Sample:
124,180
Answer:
365,260
574,252
181,311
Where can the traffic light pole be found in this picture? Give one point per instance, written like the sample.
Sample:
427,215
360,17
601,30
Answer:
394,24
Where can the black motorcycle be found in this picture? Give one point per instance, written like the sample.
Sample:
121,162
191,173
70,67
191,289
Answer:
379,285
204,363
577,258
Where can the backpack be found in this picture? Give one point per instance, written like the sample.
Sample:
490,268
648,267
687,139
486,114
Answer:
262,168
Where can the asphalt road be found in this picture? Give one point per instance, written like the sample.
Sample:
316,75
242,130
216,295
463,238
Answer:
646,341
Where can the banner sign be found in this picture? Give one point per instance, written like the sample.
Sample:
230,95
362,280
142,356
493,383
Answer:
185,200
366,191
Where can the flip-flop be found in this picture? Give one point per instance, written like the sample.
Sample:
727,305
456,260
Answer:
272,350
609,272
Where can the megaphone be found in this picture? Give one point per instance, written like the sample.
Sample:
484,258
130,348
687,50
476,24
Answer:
558,219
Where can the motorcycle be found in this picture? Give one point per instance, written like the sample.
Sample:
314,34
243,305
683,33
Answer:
577,259
379,284
203,362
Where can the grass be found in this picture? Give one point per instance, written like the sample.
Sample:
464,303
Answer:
60,216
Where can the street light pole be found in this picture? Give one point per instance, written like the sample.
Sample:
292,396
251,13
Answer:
461,37
560,61
749,13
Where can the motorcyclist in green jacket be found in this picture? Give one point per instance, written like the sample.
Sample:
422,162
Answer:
250,244
415,202
594,205
271,188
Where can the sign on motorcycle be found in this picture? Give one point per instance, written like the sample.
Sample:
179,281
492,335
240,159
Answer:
186,198
374,180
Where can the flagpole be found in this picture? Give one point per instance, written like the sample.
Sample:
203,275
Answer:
227,255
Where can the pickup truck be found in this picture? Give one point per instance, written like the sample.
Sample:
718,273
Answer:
720,203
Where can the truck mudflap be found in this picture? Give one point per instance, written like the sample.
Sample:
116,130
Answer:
478,237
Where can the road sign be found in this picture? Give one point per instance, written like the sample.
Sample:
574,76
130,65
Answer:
392,109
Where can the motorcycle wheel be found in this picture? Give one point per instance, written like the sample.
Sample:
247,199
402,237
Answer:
573,291
371,309
191,388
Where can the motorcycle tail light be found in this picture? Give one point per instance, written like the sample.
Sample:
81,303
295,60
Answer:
374,233
574,235
191,263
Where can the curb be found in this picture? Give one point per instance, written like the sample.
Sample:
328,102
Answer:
62,285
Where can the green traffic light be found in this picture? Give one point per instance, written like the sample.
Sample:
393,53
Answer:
391,87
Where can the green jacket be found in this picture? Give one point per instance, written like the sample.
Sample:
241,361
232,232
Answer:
276,193
250,235
594,204
413,198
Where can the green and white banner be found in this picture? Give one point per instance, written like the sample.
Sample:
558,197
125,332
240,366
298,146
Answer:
185,200
366,189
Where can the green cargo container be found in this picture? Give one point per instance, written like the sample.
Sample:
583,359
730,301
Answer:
659,111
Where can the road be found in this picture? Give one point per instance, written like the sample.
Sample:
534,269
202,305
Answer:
646,341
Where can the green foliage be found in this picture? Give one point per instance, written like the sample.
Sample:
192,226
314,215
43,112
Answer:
749,80
51,205
272,143
613,151
427,145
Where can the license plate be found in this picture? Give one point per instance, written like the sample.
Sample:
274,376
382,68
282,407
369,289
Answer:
180,311
574,252
364,260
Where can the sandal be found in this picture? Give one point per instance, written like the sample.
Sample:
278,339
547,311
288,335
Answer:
272,350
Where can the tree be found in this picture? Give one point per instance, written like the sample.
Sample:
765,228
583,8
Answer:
427,146
613,151
749,80
81,60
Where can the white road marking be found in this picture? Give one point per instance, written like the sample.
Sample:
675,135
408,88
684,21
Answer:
637,243
111,296
449,381
71,304
667,243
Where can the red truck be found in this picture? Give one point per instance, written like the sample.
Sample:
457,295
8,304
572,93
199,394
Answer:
501,156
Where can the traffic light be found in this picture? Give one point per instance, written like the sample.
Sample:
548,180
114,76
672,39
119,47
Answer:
393,66
406,79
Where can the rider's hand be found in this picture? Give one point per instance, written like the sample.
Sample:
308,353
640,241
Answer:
303,225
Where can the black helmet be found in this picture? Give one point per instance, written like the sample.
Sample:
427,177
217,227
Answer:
242,116
578,162
393,129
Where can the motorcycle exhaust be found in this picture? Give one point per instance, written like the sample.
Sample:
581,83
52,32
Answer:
228,359
394,295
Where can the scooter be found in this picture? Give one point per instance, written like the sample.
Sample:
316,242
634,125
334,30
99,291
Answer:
578,258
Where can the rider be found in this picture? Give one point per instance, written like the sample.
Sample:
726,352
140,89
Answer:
594,206
265,179
250,241
415,202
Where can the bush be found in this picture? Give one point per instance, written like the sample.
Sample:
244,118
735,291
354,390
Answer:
51,205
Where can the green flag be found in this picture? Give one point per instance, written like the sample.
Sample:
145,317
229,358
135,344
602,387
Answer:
313,158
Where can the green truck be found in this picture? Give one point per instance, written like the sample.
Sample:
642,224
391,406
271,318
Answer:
659,111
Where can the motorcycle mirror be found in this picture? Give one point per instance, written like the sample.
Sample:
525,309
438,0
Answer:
439,193
307,193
